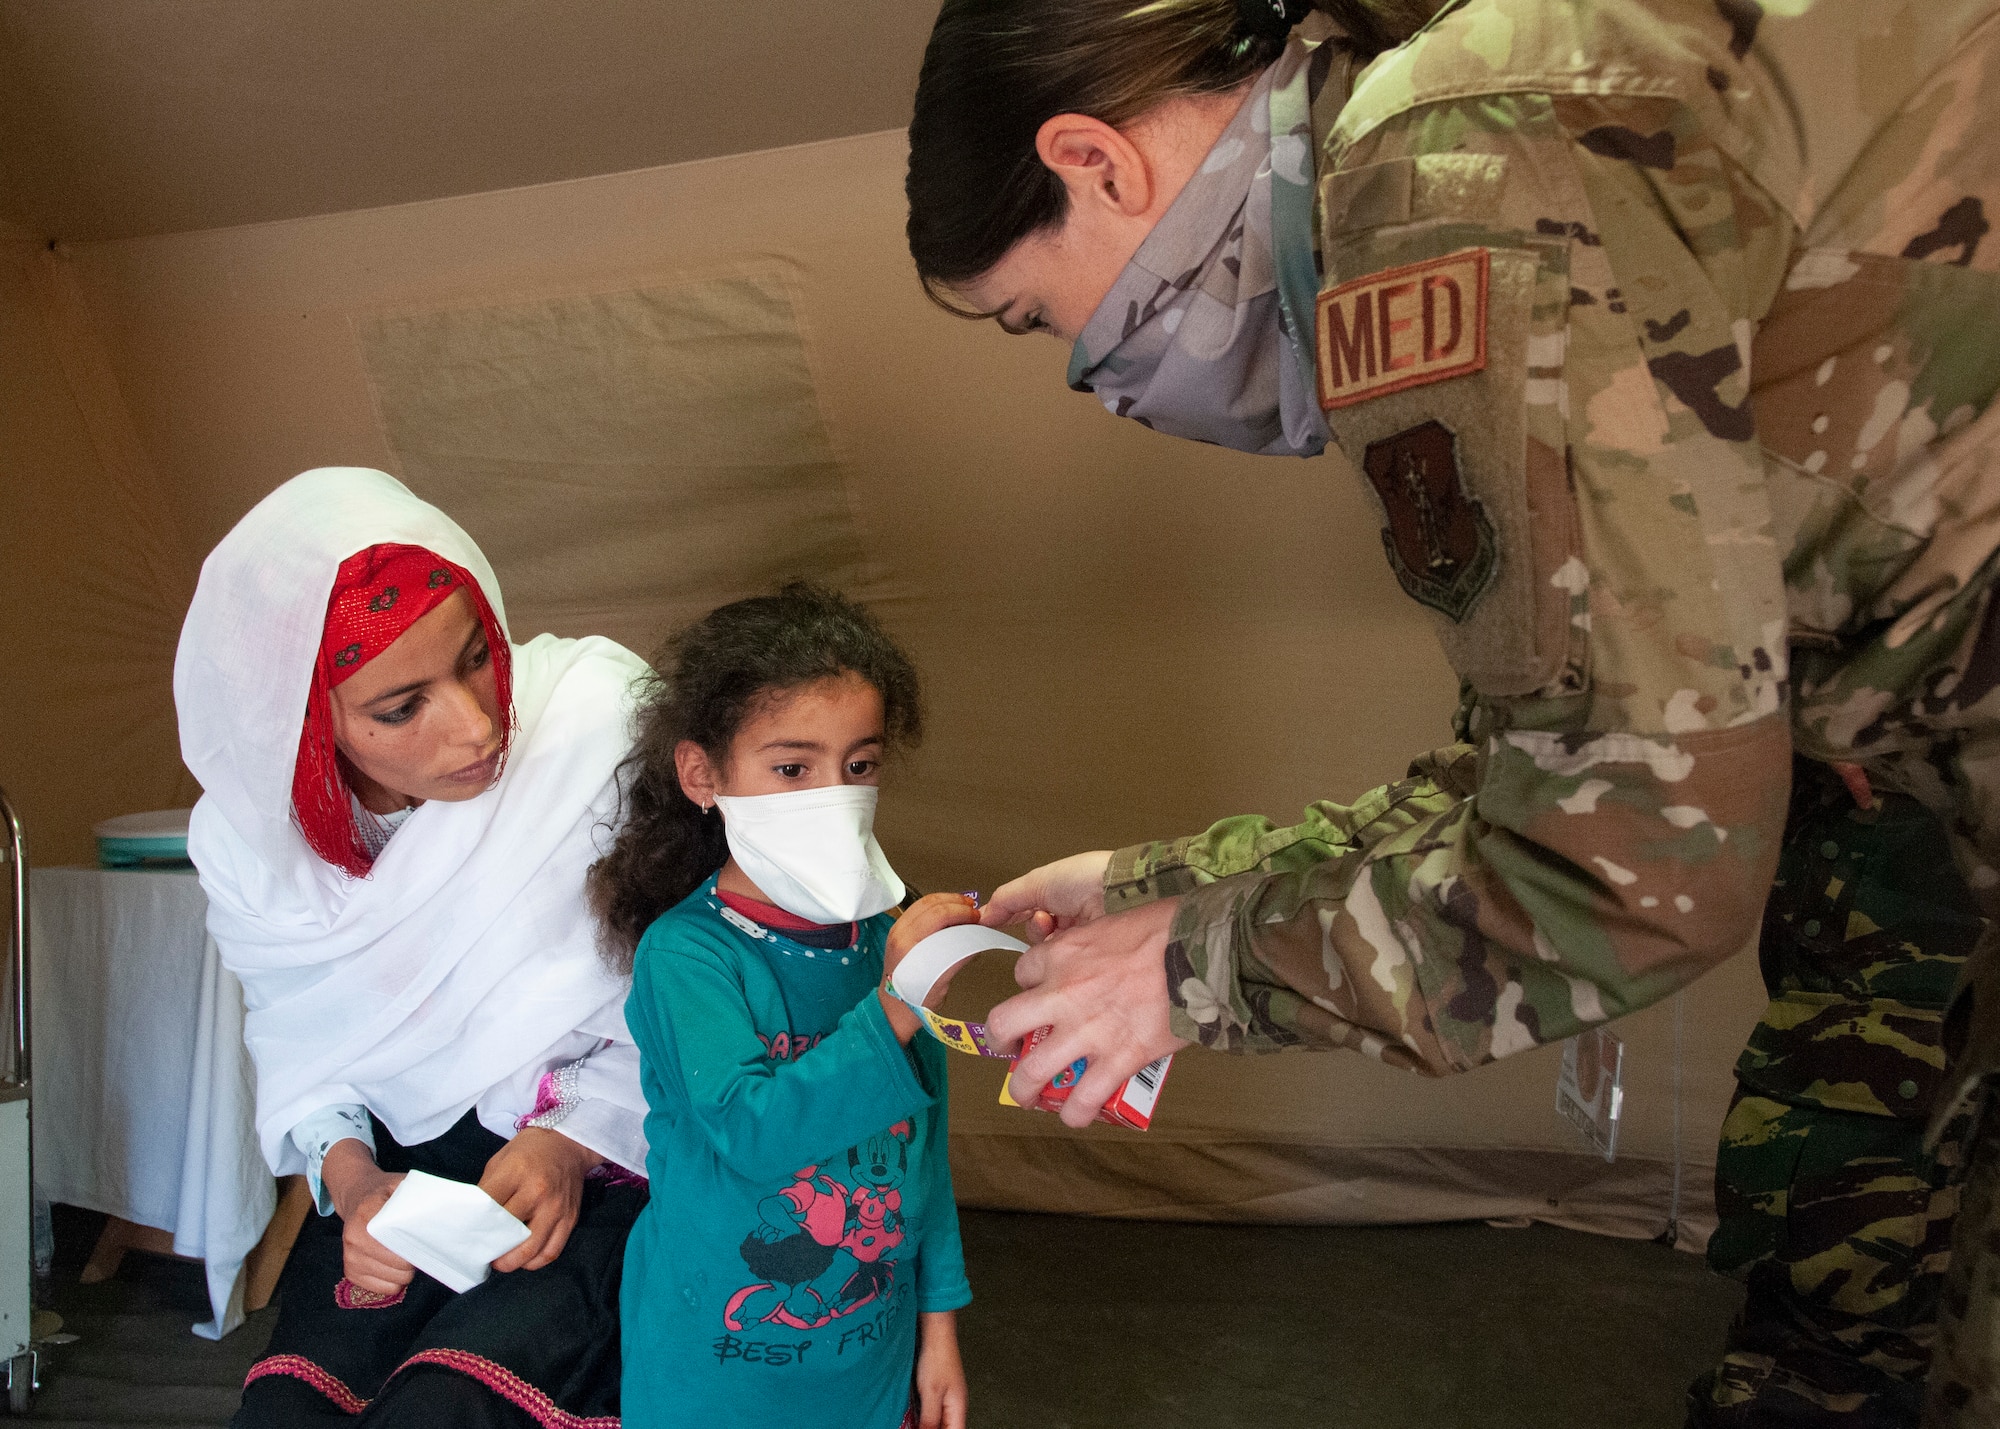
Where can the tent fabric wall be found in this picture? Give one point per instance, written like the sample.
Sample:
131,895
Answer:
610,450
95,575
1123,636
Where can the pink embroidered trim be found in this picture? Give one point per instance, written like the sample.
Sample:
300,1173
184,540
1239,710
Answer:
301,1368
512,1388
349,1296
501,1380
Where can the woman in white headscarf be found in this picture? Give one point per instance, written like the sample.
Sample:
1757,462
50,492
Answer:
399,808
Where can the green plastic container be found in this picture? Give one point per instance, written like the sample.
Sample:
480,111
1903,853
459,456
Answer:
155,840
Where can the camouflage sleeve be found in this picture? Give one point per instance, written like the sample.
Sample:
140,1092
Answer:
1250,843
1533,341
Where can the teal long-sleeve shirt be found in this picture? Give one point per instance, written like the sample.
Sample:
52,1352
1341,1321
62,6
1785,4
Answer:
801,1214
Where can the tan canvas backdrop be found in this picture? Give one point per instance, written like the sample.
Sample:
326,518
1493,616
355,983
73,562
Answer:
652,391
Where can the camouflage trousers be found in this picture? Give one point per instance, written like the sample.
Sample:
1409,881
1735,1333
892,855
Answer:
1838,1322
1829,1206
1965,1378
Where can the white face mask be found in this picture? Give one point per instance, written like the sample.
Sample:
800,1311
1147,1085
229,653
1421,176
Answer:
813,851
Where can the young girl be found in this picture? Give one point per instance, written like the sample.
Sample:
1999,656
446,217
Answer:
799,1262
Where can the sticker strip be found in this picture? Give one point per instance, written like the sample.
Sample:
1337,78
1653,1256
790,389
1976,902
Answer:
970,1037
929,961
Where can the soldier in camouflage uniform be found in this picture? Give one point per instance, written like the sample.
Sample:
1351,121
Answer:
1665,336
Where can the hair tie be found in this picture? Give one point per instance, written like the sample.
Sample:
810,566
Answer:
1272,19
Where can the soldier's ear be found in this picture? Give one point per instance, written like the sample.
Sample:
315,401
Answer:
1099,166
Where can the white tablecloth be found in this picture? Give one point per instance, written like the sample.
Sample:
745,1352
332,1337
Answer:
143,1092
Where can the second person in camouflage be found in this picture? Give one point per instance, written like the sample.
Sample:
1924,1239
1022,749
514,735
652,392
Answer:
1830,1206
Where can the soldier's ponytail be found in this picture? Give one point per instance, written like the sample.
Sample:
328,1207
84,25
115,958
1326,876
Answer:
996,70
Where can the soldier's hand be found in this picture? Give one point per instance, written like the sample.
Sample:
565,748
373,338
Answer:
1063,894
1101,989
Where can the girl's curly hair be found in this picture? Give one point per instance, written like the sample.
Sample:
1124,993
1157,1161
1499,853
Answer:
708,679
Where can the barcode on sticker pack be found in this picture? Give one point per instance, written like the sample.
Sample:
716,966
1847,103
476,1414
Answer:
1142,1092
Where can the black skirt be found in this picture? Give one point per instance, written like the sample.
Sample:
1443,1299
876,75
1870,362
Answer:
531,1348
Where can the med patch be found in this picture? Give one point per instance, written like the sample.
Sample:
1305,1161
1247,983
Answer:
1439,540
1403,327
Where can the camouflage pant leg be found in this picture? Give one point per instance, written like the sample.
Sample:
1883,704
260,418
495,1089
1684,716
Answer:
1844,1224
1828,1204
1965,1377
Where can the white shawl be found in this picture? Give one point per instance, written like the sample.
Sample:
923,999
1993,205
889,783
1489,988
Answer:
466,962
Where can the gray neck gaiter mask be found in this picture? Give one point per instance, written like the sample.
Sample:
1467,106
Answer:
1208,332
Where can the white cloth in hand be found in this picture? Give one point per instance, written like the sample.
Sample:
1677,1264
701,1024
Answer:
449,1230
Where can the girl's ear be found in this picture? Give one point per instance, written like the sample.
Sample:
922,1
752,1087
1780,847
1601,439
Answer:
697,774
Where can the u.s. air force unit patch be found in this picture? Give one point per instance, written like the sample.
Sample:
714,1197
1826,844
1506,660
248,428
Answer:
1403,327
1439,541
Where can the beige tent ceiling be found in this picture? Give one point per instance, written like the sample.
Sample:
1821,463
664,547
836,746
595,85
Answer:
120,118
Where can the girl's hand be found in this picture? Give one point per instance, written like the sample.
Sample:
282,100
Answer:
538,1178
926,916
1059,895
940,1372
359,1189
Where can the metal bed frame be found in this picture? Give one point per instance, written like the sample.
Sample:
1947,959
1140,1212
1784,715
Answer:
17,1351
